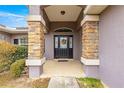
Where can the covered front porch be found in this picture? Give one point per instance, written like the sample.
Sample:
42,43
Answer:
63,31
67,68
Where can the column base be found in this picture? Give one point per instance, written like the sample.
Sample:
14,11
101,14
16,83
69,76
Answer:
35,67
91,71
35,71
91,67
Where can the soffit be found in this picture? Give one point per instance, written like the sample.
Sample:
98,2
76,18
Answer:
71,12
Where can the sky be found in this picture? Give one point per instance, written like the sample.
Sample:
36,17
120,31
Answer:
13,15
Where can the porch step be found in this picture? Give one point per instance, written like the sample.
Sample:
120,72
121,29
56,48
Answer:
63,82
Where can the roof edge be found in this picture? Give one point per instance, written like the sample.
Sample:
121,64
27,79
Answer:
13,30
94,9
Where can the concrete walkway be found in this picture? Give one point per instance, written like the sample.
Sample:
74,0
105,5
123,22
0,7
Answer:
53,68
63,82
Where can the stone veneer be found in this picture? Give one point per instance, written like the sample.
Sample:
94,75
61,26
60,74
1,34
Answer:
36,40
90,40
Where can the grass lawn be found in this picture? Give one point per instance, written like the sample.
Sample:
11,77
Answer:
6,81
89,83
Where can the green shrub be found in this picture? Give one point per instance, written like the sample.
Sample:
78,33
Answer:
21,63
17,67
9,53
21,53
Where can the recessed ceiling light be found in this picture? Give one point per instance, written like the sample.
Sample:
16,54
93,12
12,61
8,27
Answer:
62,12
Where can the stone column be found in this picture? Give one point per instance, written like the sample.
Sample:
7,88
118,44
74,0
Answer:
90,40
90,37
35,46
35,40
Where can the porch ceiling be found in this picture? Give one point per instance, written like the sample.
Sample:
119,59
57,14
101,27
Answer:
71,12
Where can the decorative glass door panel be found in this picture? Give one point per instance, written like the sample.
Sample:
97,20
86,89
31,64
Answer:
56,42
70,42
63,46
63,42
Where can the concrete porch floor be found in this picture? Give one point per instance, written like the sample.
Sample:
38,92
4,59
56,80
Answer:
71,68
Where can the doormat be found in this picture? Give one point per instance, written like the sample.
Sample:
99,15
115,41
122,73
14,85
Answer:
62,60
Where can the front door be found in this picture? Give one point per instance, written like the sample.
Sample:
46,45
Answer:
63,46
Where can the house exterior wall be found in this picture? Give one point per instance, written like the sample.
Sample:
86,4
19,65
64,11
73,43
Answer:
56,25
5,36
111,45
49,39
10,37
18,36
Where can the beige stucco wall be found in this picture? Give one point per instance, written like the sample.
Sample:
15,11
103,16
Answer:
18,36
56,25
111,46
9,37
6,36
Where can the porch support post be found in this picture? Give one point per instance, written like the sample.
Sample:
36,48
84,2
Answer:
36,42
90,37
35,47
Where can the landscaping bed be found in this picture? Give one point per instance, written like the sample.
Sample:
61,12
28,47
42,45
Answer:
13,72
40,83
7,81
89,83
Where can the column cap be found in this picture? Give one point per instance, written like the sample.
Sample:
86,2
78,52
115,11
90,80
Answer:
90,18
90,61
36,18
35,62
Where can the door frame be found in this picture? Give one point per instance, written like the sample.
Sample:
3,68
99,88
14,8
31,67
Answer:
59,42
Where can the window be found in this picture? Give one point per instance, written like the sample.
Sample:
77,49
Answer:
2,37
16,41
23,41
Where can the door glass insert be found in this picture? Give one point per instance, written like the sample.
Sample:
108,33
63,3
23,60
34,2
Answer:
70,42
63,42
56,42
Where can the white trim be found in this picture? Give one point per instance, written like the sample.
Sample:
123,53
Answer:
94,9
90,18
35,62
12,30
36,18
90,61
